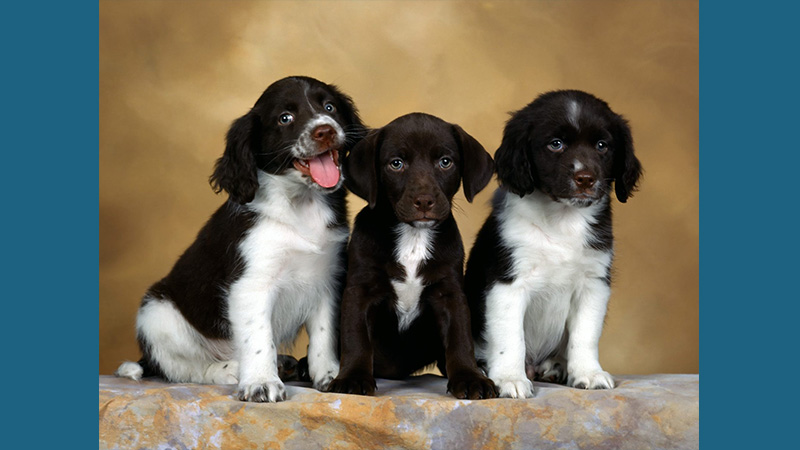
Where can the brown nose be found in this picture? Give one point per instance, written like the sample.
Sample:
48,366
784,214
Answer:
423,202
323,133
584,179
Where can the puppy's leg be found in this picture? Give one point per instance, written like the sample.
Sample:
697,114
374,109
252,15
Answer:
323,365
250,312
173,346
584,324
356,371
504,349
465,380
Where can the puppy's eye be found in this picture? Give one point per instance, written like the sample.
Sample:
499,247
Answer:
329,107
602,146
445,163
396,164
285,119
556,145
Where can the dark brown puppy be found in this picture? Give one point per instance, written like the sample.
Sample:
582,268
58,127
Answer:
404,306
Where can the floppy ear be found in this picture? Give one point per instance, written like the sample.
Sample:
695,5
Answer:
235,172
478,166
360,173
515,167
627,168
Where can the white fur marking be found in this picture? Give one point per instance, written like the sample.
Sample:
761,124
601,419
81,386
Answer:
573,113
414,245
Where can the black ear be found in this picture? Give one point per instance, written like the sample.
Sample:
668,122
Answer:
627,168
478,166
235,172
360,172
515,167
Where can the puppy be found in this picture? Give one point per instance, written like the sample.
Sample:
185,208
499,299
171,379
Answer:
403,307
538,274
269,260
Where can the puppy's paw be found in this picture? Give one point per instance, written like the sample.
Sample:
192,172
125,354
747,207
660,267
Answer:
223,372
323,382
552,370
302,369
287,368
359,385
472,386
130,370
322,375
598,379
269,391
514,387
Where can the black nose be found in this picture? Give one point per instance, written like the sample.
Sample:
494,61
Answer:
584,179
323,133
424,202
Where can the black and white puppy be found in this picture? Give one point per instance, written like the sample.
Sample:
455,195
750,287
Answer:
538,275
269,260
404,306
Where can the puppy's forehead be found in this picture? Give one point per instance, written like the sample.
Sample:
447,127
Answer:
293,94
583,110
419,131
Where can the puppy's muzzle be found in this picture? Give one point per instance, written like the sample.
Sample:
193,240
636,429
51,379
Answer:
422,208
322,167
324,136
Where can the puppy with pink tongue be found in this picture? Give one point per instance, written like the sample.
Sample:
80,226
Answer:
324,169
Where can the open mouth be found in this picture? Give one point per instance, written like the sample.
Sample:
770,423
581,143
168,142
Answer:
323,168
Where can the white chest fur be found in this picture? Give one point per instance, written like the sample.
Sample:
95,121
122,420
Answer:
291,250
413,246
551,262
550,241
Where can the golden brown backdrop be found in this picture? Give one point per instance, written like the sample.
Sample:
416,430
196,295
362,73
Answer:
174,75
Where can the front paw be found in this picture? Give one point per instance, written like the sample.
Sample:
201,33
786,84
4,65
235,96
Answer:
598,379
472,386
321,377
269,391
514,387
359,385
287,368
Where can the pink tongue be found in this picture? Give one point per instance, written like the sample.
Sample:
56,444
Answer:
324,171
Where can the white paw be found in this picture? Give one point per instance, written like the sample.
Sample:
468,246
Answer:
223,372
322,377
598,379
514,388
269,391
130,370
552,371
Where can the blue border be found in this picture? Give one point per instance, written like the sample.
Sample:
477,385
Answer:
50,209
748,233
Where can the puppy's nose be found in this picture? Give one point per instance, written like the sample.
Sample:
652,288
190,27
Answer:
323,133
584,179
424,202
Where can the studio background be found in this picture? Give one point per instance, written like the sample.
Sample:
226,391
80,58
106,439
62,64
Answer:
174,75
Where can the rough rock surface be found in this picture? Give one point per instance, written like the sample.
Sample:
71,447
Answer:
642,412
